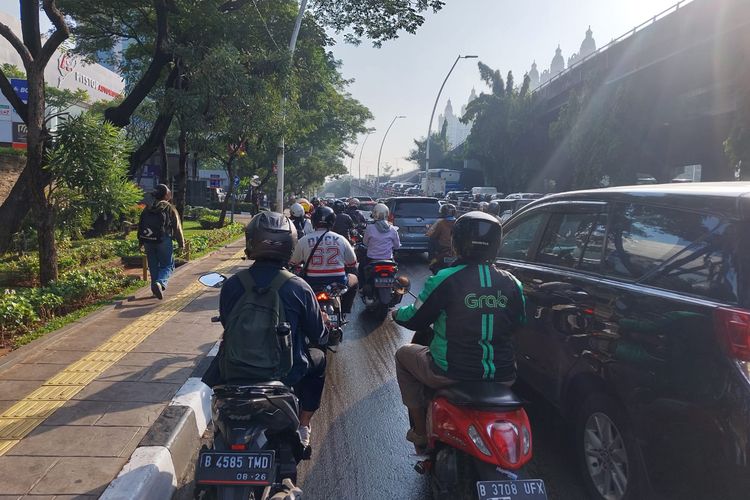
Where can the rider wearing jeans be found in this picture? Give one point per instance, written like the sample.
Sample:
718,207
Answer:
473,308
325,257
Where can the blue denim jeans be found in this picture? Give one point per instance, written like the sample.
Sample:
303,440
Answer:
160,260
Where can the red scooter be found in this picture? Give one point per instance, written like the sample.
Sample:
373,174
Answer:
479,439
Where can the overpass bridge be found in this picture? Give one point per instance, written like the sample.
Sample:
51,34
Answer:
689,67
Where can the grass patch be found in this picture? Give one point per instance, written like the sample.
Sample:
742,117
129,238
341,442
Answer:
61,321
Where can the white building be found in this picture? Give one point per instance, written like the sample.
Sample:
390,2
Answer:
457,131
63,71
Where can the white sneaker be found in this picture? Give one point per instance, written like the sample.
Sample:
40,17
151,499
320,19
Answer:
304,435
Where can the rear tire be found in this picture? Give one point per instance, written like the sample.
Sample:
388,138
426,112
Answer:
608,454
463,485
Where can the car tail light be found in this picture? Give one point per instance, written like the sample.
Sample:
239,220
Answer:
733,331
322,296
238,447
391,217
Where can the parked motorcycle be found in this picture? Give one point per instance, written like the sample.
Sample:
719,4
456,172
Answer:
255,448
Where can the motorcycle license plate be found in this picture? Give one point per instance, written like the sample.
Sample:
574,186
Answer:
520,489
235,468
449,260
384,282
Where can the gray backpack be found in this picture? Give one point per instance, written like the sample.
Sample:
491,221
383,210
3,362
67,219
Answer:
253,351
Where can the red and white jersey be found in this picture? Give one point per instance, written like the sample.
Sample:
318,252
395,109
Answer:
333,255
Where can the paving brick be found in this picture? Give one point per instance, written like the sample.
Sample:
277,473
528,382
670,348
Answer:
24,371
75,441
19,474
151,392
79,476
15,390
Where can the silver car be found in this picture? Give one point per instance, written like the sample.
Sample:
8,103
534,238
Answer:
413,215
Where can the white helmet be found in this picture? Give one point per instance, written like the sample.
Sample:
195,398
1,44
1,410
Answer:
379,212
484,206
353,202
297,210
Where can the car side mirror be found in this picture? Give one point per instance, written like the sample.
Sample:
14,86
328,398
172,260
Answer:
212,280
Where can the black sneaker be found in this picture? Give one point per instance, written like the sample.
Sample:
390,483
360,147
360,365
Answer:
156,290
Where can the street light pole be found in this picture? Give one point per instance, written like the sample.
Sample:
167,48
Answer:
282,145
432,116
377,182
360,154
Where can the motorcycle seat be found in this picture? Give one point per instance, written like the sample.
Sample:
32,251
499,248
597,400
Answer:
382,262
480,394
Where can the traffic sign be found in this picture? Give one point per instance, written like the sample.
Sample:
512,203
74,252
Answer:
236,181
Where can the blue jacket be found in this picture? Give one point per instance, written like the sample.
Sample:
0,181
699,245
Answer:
300,306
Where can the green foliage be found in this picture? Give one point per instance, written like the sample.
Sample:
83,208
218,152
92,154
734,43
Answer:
12,71
208,222
88,165
737,145
12,151
23,309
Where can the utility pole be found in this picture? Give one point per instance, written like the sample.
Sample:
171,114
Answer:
282,145
360,153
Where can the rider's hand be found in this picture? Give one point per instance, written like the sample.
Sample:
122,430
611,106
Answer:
326,318
393,314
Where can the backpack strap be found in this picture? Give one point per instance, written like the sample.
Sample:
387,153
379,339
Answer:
248,283
280,279
309,258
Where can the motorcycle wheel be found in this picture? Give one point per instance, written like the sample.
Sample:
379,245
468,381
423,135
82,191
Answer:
463,485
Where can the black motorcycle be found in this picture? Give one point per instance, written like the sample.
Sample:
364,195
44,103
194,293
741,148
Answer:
256,447
329,299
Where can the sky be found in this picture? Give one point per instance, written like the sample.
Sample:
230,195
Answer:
404,76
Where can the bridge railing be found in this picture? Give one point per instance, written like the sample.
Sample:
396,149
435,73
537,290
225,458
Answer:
617,40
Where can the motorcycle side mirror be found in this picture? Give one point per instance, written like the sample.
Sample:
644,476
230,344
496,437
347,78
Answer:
402,285
212,280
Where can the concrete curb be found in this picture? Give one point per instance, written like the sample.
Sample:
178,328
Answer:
163,455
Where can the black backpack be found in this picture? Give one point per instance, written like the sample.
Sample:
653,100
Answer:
154,224
253,350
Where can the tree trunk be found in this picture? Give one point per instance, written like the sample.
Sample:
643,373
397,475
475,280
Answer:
43,211
151,144
14,209
180,187
230,191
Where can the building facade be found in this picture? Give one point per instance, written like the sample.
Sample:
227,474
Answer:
557,65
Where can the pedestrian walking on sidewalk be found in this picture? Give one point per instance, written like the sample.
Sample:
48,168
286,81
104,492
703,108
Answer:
159,226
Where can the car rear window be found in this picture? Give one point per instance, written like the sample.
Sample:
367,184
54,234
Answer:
685,252
416,208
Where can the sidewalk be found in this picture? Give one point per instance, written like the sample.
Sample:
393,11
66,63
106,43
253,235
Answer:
74,405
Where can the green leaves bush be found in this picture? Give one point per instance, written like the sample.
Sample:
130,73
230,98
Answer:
208,222
23,309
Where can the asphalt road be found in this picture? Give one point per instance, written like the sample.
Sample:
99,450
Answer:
359,450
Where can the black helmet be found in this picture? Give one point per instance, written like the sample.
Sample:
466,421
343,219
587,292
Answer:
477,236
315,202
447,210
270,236
339,206
323,217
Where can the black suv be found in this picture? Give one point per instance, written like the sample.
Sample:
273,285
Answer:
638,305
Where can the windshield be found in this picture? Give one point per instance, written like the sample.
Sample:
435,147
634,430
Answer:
416,208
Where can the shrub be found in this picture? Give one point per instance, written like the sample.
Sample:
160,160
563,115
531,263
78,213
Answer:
209,221
16,312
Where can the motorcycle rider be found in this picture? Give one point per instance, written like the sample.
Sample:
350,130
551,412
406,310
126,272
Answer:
327,257
343,224
269,240
473,308
440,235
381,238
352,210
301,223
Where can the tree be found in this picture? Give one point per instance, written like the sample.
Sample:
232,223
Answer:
35,54
87,167
439,148
737,145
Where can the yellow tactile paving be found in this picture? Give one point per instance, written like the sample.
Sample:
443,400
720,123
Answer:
23,417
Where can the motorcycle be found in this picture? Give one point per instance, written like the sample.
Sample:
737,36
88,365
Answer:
256,447
382,288
441,258
479,440
329,299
